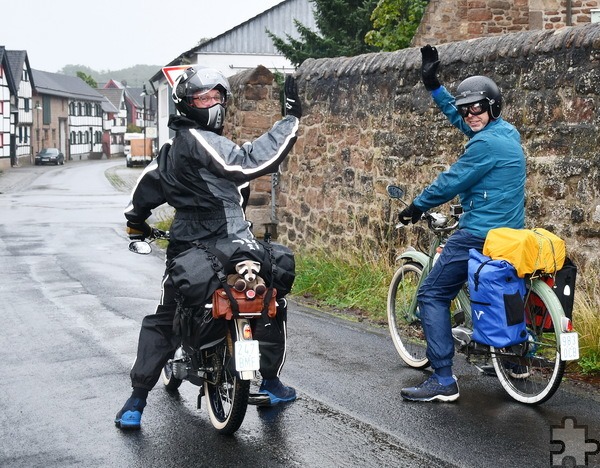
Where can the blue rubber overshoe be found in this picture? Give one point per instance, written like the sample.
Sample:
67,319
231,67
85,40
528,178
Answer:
431,390
130,416
277,392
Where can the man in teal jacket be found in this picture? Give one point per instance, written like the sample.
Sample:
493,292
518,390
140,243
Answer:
489,179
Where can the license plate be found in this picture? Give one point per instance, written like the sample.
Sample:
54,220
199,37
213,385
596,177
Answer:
247,356
569,346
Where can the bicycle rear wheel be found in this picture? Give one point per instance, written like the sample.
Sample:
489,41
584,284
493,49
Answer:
226,393
531,372
403,316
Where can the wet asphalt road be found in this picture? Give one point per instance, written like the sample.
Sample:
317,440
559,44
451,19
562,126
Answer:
73,299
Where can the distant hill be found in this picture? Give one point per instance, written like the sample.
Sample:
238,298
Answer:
134,76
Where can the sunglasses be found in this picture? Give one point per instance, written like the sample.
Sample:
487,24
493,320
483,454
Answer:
477,108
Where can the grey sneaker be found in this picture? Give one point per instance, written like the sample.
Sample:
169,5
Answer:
431,390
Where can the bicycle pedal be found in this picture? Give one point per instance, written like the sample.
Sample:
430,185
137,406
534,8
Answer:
462,336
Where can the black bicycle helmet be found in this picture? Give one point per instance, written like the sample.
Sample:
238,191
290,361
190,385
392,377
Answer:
480,88
200,79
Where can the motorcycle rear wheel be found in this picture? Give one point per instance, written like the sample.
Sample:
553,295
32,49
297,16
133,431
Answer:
226,393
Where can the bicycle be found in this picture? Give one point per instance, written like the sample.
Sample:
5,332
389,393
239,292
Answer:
529,372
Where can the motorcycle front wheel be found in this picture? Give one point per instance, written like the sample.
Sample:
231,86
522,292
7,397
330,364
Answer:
226,393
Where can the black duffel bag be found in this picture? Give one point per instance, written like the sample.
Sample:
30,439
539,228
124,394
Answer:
194,274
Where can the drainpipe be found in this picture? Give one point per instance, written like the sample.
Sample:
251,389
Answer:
569,13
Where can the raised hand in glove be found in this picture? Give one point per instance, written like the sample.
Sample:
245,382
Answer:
292,101
410,214
429,66
138,231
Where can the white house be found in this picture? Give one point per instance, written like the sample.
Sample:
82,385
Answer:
118,117
7,118
242,47
69,115
16,110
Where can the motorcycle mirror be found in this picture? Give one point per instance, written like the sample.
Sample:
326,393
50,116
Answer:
140,247
394,191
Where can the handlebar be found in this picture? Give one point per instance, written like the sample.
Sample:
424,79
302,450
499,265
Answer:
143,246
437,222
159,234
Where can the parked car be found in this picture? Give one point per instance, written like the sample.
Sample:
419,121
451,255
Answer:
49,156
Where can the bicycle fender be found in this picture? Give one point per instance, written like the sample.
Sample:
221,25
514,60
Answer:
415,256
555,308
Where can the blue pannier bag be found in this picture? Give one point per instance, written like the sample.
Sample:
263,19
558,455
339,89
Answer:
497,301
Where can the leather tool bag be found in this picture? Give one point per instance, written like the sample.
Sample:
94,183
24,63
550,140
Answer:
222,304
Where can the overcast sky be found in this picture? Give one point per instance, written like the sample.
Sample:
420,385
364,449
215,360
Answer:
115,34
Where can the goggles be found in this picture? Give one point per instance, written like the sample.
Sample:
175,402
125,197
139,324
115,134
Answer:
476,108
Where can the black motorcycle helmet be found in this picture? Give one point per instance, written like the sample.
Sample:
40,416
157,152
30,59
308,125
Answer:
480,88
200,79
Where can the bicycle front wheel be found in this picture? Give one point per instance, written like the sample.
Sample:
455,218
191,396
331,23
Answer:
531,372
403,316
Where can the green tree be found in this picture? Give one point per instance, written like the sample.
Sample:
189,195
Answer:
395,23
88,79
342,27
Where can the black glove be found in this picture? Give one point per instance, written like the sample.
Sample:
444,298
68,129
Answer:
429,66
292,101
138,231
410,214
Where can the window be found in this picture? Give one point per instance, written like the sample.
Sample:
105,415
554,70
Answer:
47,110
1,134
72,138
26,104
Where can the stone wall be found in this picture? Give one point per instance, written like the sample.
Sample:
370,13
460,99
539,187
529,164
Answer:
457,20
369,122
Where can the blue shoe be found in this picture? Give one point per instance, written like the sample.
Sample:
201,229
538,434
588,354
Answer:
277,392
431,390
130,416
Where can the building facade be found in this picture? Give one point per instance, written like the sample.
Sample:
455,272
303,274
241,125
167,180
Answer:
459,20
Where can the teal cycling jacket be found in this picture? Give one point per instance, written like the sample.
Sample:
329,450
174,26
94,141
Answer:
489,177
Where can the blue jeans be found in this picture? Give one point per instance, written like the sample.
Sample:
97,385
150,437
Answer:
441,286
